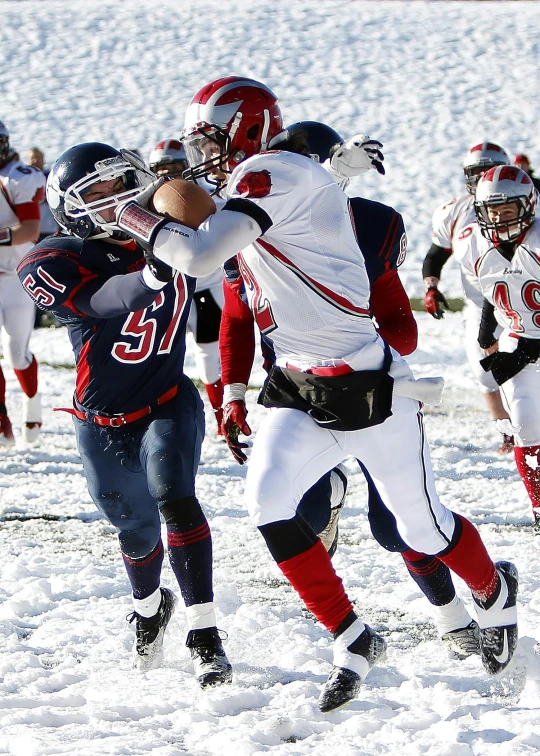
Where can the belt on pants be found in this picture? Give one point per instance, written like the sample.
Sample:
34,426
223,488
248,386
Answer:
116,421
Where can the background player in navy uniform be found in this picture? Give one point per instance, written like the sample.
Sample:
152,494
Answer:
383,243
138,419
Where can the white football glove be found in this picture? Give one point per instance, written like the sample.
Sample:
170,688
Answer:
356,156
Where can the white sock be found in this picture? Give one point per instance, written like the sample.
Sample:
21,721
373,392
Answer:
148,606
452,616
200,616
346,659
337,488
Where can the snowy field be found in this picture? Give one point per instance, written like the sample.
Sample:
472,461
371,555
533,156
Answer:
428,79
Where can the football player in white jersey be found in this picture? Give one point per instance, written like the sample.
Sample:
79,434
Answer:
502,252
331,387
22,188
448,221
168,158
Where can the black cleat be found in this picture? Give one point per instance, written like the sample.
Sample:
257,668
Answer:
465,641
497,617
353,658
212,667
149,632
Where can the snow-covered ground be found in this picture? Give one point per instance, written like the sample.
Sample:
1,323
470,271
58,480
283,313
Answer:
429,79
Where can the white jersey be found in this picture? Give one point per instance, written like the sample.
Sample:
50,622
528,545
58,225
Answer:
513,287
20,184
305,277
448,222
208,282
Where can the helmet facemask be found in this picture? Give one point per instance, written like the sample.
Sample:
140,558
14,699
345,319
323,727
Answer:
507,230
208,148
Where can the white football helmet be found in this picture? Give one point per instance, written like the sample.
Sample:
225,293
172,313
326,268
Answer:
503,185
168,158
479,159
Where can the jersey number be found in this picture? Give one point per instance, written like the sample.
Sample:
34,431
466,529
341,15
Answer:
530,293
262,310
144,328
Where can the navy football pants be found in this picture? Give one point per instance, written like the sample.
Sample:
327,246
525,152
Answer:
134,470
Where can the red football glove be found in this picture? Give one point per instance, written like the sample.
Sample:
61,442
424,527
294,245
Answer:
234,423
434,301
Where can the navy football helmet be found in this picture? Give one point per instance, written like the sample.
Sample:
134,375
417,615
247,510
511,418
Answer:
79,168
310,138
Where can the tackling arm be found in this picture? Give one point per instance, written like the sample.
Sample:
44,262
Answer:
392,310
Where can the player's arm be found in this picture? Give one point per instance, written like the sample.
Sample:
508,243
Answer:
486,331
434,262
27,230
118,295
392,311
237,352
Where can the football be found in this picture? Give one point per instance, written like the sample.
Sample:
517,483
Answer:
183,201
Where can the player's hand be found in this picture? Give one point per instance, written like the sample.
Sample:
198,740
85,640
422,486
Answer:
356,156
434,301
492,349
160,270
234,423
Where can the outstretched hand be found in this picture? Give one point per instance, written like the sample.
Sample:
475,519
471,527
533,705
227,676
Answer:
357,155
234,423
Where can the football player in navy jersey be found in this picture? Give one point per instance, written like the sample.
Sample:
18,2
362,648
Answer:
138,419
336,389
382,240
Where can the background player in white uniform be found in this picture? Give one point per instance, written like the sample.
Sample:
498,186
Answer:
448,221
309,292
168,158
503,253
22,188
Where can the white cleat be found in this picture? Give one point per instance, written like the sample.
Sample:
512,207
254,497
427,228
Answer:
31,417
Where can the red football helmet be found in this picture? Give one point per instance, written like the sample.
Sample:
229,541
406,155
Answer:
481,158
168,158
228,121
505,185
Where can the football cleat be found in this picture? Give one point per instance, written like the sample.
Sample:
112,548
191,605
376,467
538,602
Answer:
330,535
149,632
354,655
6,431
31,417
212,667
507,446
463,642
497,618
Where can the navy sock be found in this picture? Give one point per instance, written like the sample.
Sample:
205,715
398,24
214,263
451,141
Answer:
144,573
432,577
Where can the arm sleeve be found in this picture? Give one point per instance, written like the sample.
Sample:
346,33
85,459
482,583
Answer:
392,310
199,252
236,337
117,295
488,324
434,261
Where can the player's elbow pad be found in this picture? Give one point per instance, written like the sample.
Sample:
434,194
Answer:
200,252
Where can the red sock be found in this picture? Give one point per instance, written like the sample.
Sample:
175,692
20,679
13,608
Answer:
470,560
28,378
530,474
313,577
2,387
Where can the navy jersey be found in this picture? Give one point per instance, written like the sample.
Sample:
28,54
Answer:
128,340
380,232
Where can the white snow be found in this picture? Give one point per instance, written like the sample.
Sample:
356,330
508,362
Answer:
429,80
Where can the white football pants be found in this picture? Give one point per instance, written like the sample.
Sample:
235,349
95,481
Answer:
206,355
17,313
291,452
521,397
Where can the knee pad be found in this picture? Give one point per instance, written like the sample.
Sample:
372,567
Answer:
182,513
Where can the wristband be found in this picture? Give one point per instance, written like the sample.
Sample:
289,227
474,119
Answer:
234,392
430,282
150,281
5,237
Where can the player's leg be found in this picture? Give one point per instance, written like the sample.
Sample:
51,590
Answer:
407,488
18,325
117,485
472,315
170,452
289,453
456,627
208,304
6,431
321,506
523,398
